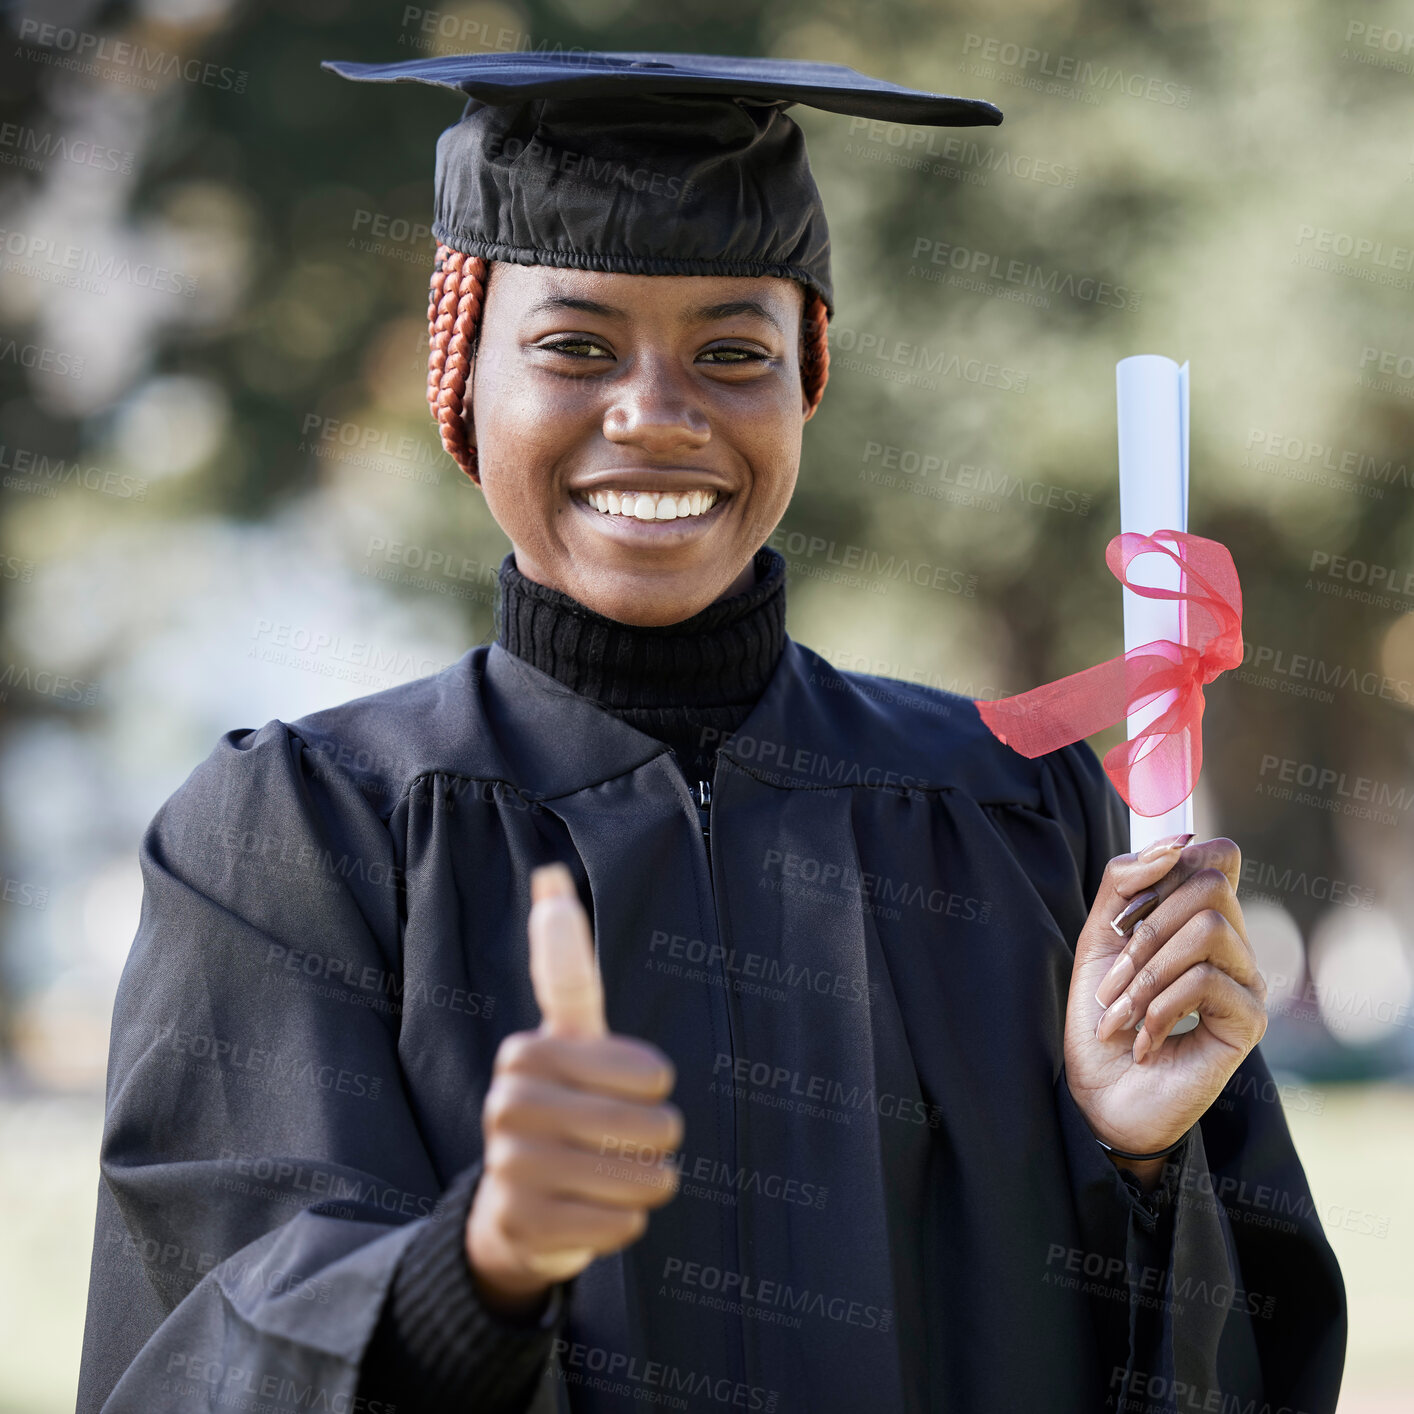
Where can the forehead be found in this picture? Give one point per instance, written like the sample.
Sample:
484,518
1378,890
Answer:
544,288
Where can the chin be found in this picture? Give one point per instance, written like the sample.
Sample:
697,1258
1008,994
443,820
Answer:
648,598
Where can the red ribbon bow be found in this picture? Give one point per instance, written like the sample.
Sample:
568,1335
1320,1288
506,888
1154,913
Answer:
1158,768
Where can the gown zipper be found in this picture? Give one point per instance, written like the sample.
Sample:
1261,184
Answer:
702,794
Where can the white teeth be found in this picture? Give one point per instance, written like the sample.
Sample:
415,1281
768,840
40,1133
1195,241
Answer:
652,505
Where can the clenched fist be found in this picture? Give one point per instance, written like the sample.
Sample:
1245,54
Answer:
561,1097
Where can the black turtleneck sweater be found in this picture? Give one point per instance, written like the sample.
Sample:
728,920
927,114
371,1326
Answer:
690,684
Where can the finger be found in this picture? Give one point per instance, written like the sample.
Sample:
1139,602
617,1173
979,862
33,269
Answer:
1206,939
567,986
560,1266
1141,868
527,1106
543,1228
626,1177
1220,854
610,1065
1230,1011
1206,888
1128,880
557,1237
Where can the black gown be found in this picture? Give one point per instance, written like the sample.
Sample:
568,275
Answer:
890,1200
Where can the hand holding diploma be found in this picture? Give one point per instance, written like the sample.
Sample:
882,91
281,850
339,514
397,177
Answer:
1187,972
1183,947
565,1103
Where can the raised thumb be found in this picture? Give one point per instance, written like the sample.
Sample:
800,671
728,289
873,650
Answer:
568,989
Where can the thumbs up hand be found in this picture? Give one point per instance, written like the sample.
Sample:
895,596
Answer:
568,1104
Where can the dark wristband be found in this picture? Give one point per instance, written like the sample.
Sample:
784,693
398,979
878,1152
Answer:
1157,1154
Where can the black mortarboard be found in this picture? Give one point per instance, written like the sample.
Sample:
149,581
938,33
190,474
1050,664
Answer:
651,164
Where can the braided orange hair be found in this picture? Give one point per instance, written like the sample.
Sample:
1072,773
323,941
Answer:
454,301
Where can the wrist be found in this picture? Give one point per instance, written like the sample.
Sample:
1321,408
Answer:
1149,1172
517,1298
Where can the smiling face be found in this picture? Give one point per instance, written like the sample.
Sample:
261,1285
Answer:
638,436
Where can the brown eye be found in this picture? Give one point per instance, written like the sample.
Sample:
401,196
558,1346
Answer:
575,348
730,355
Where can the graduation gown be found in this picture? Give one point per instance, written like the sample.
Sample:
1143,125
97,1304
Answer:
889,1201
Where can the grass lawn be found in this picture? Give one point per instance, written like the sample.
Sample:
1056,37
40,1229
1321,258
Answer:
1358,1153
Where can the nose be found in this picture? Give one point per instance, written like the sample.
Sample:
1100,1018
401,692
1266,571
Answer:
656,409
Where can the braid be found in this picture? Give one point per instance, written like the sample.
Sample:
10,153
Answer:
814,350
454,303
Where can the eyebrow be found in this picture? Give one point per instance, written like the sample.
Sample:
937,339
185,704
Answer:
724,310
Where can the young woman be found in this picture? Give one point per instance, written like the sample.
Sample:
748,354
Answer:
811,1080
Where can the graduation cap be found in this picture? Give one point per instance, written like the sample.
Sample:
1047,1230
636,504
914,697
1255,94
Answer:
649,164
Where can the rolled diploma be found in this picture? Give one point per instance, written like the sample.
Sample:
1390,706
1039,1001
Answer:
1153,495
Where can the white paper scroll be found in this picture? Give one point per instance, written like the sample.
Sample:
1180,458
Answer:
1153,495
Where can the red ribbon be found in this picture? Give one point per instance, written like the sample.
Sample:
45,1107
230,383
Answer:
1158,768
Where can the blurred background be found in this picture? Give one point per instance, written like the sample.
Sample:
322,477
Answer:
222,500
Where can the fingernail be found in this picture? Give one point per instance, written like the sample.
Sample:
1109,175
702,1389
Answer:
1116,979
1141,1046
1134,910
1114,1018
1169,842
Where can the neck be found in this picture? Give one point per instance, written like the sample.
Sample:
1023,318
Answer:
690,683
